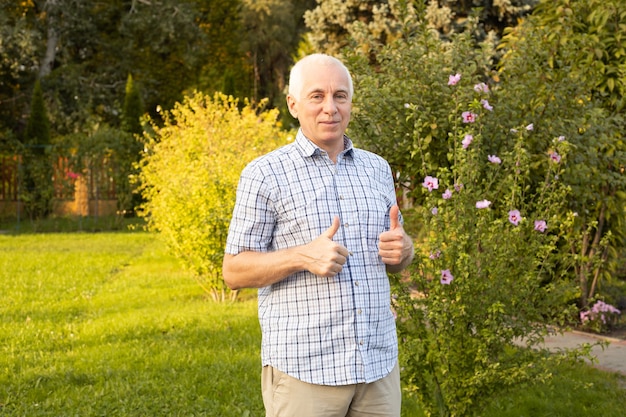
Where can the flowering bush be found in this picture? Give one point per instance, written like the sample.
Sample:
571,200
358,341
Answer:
484,273
481,160
601,317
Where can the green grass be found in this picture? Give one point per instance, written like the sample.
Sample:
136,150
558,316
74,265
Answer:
66,224
575,391
108,324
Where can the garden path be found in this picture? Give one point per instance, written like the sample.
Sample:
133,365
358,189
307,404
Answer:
611,357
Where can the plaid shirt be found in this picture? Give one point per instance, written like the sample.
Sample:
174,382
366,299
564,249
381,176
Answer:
327,331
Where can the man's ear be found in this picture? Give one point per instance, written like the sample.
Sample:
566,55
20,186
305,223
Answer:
291,105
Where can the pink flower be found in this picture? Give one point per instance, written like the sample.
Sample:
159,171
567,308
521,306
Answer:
435,255
446,277
481,88
469,117
434,211
530,127
486,105
467,140
561,138
584,316
555,157
494,159
431,183
458,187
447,194
540,225
72,175
515,217
454,79
483,204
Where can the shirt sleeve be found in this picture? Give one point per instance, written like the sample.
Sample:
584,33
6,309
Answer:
253,221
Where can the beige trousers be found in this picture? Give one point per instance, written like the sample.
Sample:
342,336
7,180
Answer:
285,396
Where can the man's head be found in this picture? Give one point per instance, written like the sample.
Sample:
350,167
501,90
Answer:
320,97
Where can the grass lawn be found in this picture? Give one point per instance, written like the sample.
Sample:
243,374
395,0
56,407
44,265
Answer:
108,324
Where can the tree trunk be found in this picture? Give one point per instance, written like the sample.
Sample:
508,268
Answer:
51,44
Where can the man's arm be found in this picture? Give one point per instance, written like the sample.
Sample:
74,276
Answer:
322,257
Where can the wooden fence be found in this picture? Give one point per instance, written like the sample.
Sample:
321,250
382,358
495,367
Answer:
86,192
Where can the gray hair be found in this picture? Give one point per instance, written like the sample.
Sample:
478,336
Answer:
295,77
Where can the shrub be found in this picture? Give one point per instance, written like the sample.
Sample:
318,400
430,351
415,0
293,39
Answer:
600,317
189,176
486,273
491,213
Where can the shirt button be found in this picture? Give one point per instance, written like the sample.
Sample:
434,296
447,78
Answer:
359,311
356,283
361,342
345,224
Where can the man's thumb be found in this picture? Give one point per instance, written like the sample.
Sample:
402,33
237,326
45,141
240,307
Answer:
330,232
394,214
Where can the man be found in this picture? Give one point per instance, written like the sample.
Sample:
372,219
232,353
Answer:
316,228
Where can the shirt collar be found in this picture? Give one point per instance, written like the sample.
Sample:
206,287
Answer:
308,148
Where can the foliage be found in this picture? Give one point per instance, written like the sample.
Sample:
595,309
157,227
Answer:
564,93
108,155
600,317
491,210
18,62
333,24
487,272
132,111
36,185
412,138
270,28
450,16
597,26
189,176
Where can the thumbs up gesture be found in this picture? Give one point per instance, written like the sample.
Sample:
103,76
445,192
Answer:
324,257
395,246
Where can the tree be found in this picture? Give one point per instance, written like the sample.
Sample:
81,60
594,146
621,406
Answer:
37,186
334,22
18,64
271,37
132,111
451,16
189,176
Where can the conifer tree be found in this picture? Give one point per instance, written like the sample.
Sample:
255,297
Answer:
37,184
37,134
133,108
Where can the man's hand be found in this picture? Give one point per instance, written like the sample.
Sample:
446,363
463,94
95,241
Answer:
395,246
325,257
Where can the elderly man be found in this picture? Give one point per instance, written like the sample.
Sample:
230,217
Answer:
316,228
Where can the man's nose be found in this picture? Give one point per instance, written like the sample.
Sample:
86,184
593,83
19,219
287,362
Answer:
330,106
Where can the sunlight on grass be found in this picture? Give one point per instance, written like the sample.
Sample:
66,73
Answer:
109,324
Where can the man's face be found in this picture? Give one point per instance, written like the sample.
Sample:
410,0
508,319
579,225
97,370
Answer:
323,108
